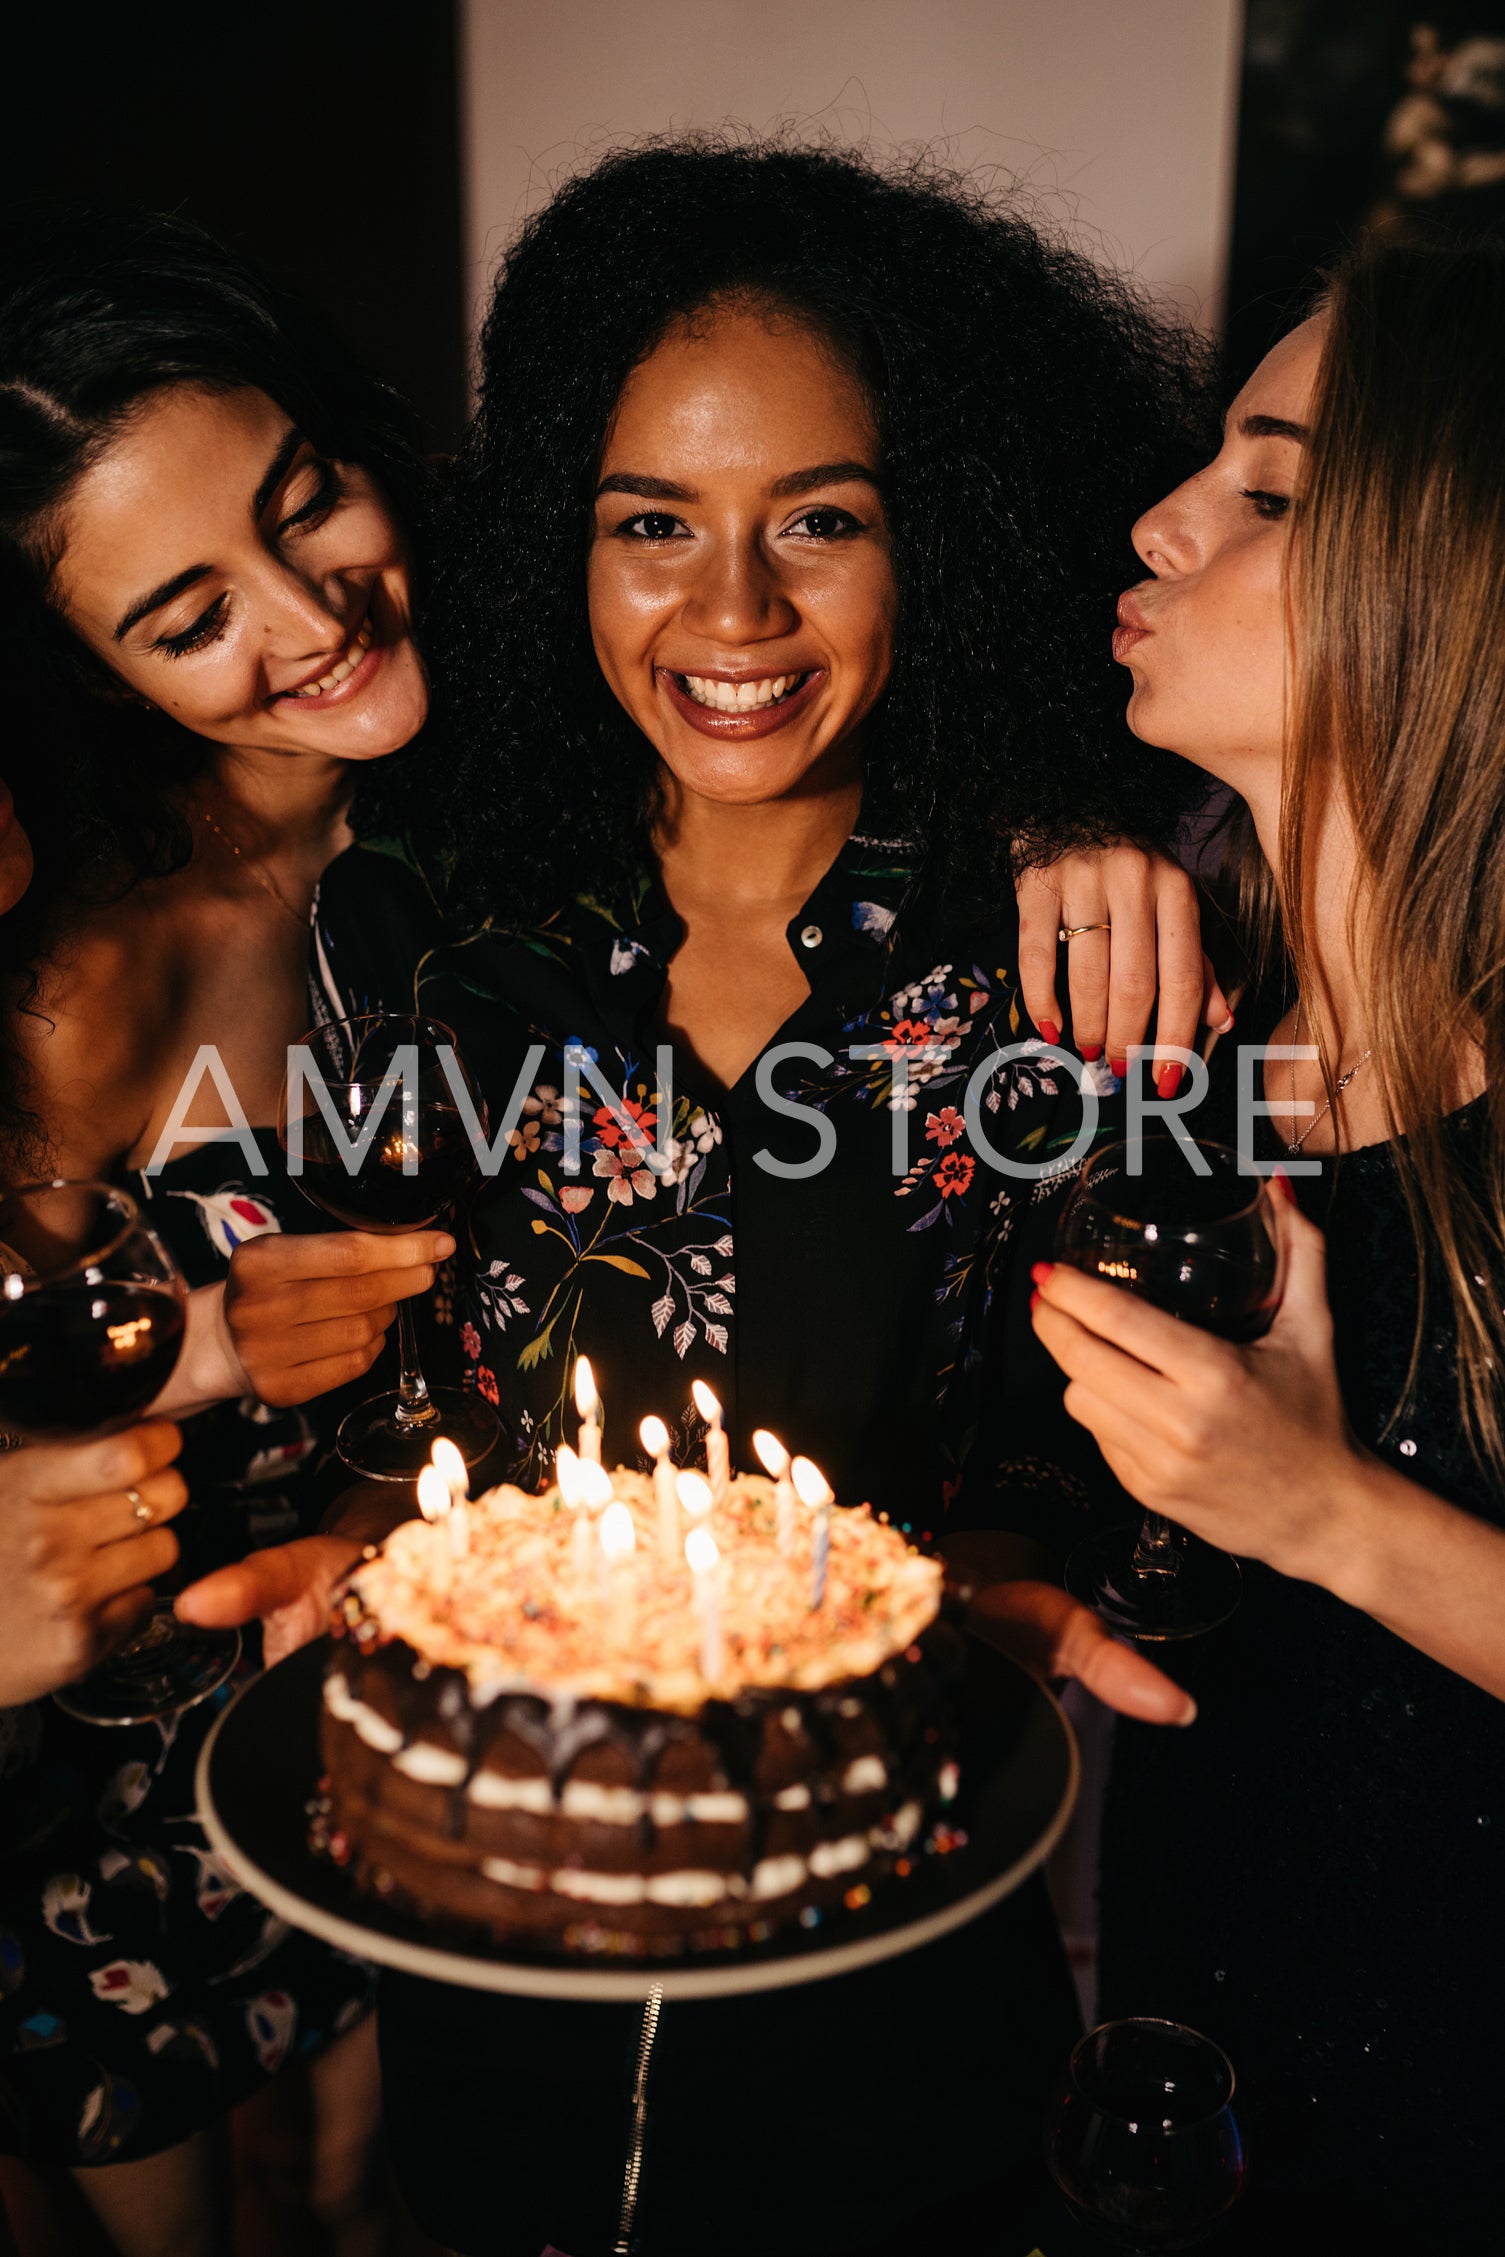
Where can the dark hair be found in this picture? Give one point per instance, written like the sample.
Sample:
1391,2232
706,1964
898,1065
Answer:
1030,406
97,313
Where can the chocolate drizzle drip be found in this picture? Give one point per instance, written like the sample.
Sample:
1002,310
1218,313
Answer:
909,1699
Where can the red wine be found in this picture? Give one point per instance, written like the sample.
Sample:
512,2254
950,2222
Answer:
75,1357
377,1195
1197,1246
1225,1293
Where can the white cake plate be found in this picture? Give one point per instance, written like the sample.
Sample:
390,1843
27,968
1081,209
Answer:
259,1771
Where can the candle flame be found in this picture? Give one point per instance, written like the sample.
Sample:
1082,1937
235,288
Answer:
694,1493
654,1436
701,1553
567,1470
618,1536
434,1500
771,1451
587,1401
449,1462
706,1403
810,1484
595,1484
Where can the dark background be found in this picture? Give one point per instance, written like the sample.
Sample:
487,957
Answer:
1321,81
319,142
323,143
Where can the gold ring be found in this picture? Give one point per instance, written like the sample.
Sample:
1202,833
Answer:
1069,932
139,1507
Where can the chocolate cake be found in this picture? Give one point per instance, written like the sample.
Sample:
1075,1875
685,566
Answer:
524,1736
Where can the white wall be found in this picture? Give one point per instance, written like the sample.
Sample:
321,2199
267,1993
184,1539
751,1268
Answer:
1120,115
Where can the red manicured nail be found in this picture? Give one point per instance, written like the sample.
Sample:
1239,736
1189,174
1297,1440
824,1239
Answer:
1040,1271
1092,1051
1168,1081
1049,1031
1118,1067
1283,1184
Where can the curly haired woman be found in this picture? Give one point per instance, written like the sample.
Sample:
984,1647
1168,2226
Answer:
769,614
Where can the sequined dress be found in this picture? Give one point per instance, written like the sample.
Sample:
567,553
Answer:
1314,1873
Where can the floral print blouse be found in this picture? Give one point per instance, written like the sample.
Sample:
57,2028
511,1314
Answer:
767,1239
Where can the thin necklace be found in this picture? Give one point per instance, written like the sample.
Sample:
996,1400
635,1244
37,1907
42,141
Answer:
1339,1086
265,883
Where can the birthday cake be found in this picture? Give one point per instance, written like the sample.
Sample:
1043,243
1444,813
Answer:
536,1731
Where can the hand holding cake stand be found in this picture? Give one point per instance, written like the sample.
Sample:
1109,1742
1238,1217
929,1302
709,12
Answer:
628,1735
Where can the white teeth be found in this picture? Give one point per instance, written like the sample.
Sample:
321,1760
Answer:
739,697
346,665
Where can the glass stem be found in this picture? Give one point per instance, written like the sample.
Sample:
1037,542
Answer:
1157,1552
413,1405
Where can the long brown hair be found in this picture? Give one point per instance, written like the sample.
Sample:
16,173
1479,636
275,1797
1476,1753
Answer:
1396,573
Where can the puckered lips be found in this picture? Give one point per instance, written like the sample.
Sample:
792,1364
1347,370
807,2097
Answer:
338,680
740,705
1131,629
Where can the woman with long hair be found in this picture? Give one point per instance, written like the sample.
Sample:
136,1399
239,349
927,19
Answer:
1314,1874
206,599
763,636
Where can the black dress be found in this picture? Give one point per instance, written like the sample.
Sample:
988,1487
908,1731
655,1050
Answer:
852,1308
1314,1873
143,1992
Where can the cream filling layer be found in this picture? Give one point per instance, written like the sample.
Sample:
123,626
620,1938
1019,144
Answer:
771,1877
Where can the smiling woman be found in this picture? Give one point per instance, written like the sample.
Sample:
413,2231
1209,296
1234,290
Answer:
206,599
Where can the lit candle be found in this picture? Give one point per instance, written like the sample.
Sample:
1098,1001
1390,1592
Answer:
588,1404
704,1559
814,1490
718,1451
434,1501
595,1491
776,1462
694,1494
618,1542
569,1473
654,1436
449,1464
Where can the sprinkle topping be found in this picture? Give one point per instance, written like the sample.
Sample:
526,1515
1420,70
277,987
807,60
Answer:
529,1609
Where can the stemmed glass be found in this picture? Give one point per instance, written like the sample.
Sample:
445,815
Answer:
1141,2137
1181,1225
382,1125
92,1315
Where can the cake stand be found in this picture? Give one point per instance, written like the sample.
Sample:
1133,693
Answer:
259,1770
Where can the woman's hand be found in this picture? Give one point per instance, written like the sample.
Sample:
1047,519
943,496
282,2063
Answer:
1247,1446
287,1588
1052,1635
77,1559
1154,946
307,1314
1037,1624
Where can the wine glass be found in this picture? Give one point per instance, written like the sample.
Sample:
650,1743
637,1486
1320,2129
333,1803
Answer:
92,1315
1141,2138
1181,1225
381,1125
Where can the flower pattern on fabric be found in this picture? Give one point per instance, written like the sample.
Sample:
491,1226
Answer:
231,1216
850,1302
128,1953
